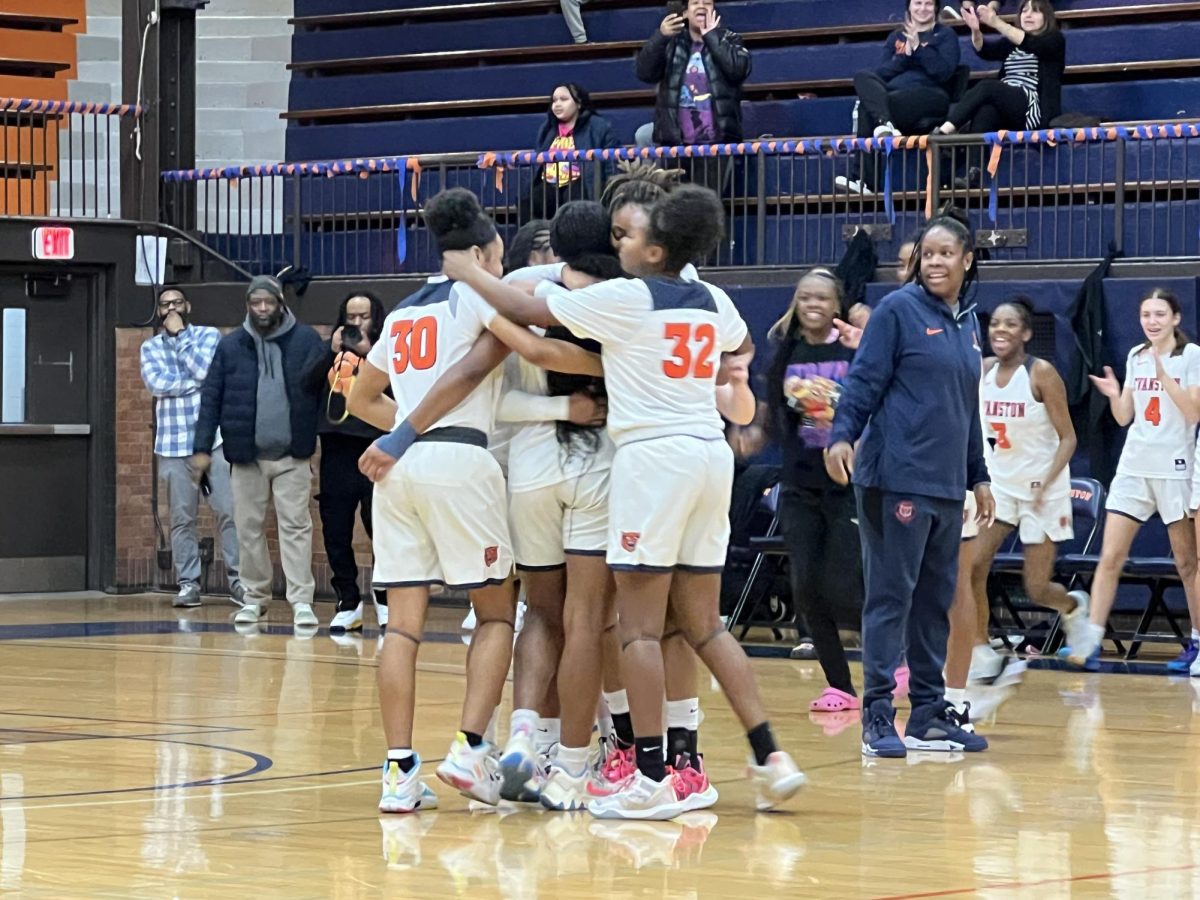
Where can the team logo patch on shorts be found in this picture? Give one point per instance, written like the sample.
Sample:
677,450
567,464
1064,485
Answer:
629,540
1064,522
905,510
490,555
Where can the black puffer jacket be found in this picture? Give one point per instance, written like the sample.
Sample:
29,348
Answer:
663,61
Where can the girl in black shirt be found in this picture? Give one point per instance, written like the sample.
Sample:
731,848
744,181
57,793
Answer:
1028,94
817,515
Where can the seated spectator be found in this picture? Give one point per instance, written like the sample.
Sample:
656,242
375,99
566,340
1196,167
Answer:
910,88
950,14
699,67
571,124
1028,93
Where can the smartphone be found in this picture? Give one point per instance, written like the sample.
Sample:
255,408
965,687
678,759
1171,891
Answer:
676,8
351,335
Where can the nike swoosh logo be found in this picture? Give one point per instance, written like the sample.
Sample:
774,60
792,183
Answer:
932,331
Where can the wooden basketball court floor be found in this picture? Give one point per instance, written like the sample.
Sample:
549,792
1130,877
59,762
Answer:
150,752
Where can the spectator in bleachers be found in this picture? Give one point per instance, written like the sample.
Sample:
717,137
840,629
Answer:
1028,93
911,87
574,19
571,124
699,67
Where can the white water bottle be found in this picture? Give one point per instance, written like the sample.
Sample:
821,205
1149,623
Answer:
854,117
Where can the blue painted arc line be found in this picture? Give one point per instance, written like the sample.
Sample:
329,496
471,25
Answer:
261,764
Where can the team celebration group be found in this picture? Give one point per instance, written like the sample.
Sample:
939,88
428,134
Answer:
617,521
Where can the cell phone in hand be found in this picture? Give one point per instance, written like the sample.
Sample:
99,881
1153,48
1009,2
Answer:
351,335
675,8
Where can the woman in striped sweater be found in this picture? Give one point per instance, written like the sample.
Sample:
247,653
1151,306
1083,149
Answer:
1028,93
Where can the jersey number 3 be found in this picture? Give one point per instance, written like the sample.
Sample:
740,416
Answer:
683,362
414,343
1002,441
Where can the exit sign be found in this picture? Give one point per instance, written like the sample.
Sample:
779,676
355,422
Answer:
54,242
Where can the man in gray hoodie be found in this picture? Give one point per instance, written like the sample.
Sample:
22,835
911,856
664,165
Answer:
263,391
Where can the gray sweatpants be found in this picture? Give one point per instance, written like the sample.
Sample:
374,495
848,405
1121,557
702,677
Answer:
574,18
184,494
288,482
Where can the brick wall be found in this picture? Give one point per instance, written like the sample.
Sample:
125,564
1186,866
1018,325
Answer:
136,536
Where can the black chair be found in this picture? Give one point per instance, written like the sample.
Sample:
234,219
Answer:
1156,573
770,556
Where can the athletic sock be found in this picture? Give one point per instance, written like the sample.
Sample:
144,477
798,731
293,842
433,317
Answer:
404,757
618,708
1196,634
762,742
548,734
683,722
572,759
957,697
523,721
650,760
473,739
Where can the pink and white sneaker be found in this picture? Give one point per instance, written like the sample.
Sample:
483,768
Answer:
692,786
641,798
564,791
617,766
472,771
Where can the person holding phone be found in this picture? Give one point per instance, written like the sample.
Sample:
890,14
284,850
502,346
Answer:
699,66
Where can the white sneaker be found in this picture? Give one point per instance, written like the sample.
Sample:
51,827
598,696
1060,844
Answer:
188,596
347,620
887,129
1194,668
303,615
381,614
471,771
468,624
640,798
250,614
520,623
775,782
1088,645
404,792
1077,618
986,664
854,187
518,763
564,791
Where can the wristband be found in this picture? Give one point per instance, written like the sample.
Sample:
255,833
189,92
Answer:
396,443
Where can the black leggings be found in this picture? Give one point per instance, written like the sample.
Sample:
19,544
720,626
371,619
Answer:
990,106
826,565
909,109
344,491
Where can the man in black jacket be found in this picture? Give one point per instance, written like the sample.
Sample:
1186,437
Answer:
699,67
263,391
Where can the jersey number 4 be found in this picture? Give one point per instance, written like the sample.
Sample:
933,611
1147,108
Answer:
1153,413
414,343
683,361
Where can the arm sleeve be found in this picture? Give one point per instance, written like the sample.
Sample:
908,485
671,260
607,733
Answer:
518,406
211,393
995,50
162,372
195,348
870,374
1049,44
651,63
939,58
609,313
729,53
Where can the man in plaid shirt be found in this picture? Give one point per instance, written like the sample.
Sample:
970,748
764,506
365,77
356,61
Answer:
174,363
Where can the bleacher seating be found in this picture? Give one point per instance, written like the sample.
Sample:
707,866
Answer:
379,80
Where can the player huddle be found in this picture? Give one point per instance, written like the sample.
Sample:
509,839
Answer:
619,532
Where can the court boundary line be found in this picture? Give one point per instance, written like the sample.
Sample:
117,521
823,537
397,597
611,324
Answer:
1022,885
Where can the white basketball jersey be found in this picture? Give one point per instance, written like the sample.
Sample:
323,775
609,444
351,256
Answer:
424,336
662,342
1160,443
1022,437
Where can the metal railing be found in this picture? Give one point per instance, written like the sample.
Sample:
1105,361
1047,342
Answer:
1031,196
61,158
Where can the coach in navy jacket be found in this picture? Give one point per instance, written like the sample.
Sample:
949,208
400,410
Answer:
912,395
264,391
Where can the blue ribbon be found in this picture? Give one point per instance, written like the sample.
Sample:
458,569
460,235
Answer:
889,205
402,230
992,139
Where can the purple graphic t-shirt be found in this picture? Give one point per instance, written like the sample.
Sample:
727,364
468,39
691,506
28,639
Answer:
695,101
811,389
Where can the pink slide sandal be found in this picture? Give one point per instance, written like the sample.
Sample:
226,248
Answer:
833,700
